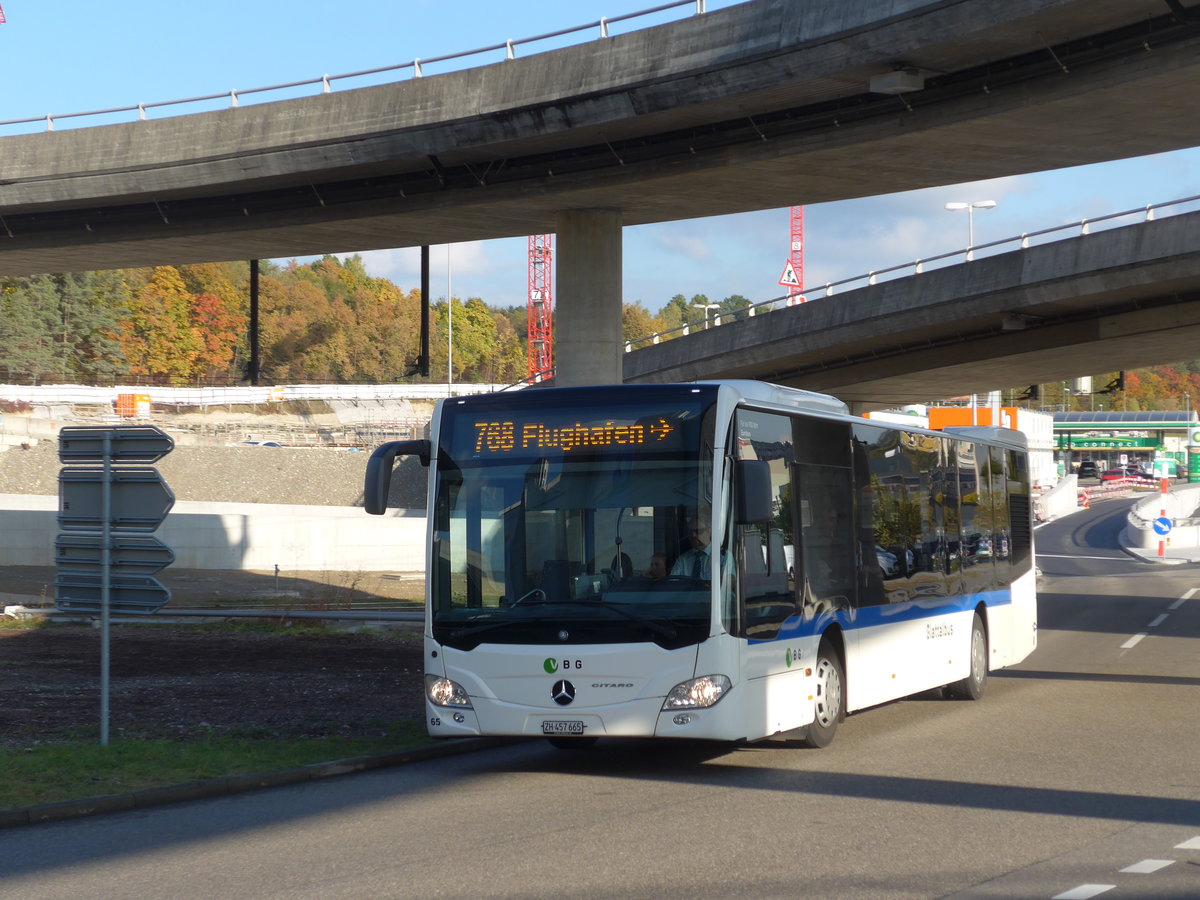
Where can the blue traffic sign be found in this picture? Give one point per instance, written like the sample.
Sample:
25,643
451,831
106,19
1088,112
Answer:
1162,525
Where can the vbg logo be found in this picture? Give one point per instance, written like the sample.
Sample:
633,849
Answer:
550,665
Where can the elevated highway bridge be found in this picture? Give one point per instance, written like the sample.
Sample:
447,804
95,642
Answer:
761,105
1117,299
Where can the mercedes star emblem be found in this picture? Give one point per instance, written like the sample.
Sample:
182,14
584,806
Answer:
563,692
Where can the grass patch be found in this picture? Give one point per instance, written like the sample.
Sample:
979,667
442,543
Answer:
79,769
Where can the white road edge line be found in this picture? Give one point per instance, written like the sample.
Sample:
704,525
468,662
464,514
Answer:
1072,556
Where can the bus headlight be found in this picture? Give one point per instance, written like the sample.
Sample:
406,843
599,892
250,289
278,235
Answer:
444,692
699,693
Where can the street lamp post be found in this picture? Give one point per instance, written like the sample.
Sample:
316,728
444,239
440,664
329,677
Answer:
970,208
706,307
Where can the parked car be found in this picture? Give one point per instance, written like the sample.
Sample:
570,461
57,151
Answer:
1088,469
260,444
1126,473
889,565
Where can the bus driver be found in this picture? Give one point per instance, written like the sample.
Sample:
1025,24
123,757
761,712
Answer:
695,562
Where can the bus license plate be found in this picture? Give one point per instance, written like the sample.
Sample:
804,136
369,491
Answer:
562,726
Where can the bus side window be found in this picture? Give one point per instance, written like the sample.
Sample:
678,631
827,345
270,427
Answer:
767,592
826,571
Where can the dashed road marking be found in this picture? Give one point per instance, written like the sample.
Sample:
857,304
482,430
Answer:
1084,892
1146,866
1133,641
1189,844
1157,620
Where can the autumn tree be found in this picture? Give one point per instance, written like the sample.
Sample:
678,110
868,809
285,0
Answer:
158,337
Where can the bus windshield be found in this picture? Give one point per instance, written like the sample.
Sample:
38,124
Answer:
571,525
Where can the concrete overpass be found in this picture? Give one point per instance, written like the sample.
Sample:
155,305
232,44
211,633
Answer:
1118,299
757,106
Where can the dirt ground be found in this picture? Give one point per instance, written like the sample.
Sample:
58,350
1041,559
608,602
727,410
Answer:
186,680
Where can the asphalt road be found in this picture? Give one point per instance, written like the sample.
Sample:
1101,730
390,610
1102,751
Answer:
1075,777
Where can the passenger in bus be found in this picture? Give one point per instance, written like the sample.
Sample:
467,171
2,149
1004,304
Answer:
658,567
694,562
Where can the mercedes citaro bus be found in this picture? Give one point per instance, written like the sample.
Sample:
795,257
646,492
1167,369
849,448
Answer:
703,561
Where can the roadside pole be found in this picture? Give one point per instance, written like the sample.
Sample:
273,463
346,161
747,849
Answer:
99,507
1163,525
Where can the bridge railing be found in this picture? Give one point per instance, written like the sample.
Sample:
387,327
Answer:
916,267
415,68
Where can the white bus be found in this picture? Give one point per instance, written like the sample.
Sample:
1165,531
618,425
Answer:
727,560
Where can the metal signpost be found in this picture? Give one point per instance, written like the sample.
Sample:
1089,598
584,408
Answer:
106,560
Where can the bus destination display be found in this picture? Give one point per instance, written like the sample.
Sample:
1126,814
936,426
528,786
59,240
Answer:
501,437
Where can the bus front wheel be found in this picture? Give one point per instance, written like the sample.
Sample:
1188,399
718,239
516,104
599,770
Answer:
973,686
830,697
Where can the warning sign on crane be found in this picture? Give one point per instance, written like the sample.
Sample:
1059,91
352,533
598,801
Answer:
789,278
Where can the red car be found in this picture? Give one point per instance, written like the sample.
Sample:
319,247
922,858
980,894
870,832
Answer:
1127,473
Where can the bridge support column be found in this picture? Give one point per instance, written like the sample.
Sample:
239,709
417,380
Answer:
588,341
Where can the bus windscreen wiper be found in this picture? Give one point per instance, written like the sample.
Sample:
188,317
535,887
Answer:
666,632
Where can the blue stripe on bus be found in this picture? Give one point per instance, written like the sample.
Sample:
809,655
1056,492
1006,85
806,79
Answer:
886,614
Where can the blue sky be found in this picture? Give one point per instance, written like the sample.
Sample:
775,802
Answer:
62,56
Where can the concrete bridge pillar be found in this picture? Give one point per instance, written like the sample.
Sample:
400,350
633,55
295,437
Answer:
588,341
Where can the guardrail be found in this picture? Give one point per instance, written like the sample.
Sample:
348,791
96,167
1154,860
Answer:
1022,241
226,396
601,26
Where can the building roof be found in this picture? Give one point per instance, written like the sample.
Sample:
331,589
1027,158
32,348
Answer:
1128,421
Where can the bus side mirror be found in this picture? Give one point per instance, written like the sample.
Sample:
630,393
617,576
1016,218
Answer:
752,488
378,482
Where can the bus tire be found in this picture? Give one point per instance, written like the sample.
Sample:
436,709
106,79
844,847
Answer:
572,743
973,686
830,700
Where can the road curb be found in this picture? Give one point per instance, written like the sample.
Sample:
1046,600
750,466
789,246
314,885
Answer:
236,784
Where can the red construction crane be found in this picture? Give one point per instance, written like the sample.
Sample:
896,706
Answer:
541,306
2,19
793,273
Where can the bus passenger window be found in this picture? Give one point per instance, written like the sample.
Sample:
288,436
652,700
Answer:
767,586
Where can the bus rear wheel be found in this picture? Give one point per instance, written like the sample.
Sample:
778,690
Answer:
830,697
973,686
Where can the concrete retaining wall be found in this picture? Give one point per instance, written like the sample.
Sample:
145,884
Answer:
1179,505
253,536
1060,500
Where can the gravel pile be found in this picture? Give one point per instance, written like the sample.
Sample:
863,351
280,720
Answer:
316,477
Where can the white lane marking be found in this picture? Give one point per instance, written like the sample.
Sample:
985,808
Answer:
1073,556
1157,620
1189,844
1084,892
1133,641
1190,594
1178,603
1146,866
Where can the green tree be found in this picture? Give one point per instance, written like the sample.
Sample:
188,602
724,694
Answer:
737,305
637,322
91,307
29,345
